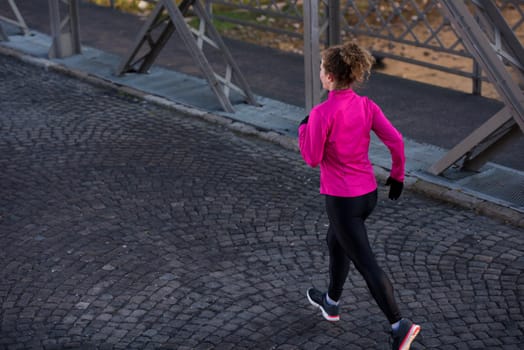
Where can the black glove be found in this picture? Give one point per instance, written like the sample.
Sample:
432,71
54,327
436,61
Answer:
305,120
396,188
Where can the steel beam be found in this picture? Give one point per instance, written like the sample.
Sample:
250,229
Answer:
501,128
19,22
172,17
65,31
333,16
486,136
232,65
130,62
497,142
197,54
311,54
512,43
479,47
19,19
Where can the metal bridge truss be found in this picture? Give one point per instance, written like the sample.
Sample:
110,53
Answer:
478,30
498,51
18,22
385,26
485,35
167,17
64,28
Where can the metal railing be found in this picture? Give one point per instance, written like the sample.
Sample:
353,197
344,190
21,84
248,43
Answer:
386,27
487,30
282,17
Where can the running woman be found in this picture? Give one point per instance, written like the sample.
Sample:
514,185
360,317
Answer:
336,136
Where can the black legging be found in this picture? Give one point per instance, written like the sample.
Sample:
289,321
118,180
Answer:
347,241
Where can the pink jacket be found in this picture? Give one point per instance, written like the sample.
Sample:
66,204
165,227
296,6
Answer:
337,136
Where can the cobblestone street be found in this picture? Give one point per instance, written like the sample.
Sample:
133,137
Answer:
126,225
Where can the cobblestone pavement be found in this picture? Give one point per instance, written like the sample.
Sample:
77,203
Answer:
125,225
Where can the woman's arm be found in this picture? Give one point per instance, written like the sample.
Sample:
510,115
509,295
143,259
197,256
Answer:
312,134
393,140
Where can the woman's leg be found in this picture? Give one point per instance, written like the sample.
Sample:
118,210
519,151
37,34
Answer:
338,265
346,217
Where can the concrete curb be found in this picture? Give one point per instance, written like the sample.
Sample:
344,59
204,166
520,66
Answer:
413,182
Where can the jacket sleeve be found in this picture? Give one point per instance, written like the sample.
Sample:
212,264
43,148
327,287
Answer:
393,140
312,138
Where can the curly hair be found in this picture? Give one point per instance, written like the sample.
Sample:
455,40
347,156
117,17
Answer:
349,63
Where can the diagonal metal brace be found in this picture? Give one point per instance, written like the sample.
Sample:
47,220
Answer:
489,10
480,48
504,126
480,144
174,21
132,63
19,22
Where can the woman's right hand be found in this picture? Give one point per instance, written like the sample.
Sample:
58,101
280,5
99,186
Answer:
305,120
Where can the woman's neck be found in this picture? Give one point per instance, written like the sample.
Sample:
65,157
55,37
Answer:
335,88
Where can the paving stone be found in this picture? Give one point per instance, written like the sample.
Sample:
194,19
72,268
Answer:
132,226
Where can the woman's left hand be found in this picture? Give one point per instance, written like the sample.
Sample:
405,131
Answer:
395,188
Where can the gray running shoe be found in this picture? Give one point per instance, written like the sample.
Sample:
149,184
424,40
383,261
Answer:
318,299
405,334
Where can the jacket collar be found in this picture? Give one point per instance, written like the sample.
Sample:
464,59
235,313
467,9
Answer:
341,92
